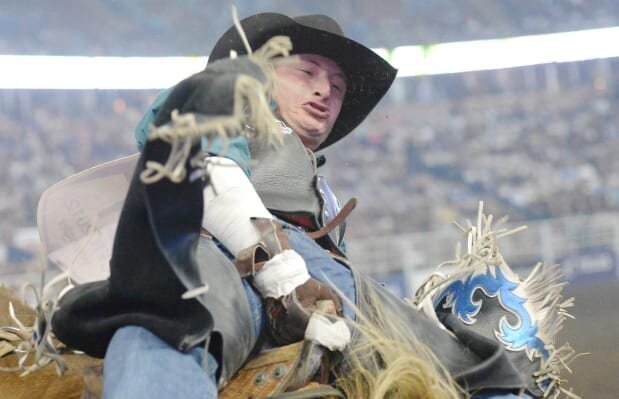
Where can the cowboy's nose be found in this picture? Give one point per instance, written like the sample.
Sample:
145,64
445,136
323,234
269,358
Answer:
322,87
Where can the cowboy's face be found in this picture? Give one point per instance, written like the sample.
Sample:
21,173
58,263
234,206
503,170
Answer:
309,92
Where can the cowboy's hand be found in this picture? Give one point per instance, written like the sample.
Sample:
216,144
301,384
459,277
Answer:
211,91
291,296
289,315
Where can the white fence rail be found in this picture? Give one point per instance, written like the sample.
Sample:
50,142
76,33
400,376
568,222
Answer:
587,246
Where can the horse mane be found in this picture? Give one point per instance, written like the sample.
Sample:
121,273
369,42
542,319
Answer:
387,360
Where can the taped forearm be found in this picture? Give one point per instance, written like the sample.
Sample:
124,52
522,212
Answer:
230,201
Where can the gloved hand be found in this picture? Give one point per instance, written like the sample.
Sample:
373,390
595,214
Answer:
230,94
211,91
217,103
290,294
289,315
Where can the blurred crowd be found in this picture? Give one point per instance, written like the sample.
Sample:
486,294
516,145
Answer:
528,147
48,135
158,27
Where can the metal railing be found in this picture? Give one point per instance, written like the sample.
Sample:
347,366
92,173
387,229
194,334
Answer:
583,244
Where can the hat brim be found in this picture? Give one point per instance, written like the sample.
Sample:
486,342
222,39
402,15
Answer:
368,75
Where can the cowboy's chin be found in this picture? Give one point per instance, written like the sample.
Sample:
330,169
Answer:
318,126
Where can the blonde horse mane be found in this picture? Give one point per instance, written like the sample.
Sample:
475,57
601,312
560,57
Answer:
386,360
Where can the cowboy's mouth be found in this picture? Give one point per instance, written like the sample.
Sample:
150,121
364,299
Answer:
317,110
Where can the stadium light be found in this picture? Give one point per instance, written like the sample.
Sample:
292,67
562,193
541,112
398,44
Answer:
65,72
71,72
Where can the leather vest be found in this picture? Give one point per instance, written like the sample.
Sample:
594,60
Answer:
284,177
287,182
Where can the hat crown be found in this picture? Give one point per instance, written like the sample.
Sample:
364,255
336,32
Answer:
321,22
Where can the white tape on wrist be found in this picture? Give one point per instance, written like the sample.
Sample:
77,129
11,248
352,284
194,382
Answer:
230,201
334,335
281,274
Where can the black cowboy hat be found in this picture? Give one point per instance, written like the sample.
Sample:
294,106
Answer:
368,75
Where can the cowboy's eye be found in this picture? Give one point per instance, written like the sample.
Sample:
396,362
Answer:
338,86
306,71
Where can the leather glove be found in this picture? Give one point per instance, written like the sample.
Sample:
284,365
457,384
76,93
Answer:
290,294
289,315
216,103
211,91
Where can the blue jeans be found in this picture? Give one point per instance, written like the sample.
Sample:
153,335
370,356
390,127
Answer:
138,364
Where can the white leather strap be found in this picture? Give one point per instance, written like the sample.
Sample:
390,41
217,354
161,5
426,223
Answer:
333,335
281,274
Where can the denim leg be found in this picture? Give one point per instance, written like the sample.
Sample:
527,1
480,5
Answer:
138,364
255,305
324,268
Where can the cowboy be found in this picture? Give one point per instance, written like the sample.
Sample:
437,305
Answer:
258,239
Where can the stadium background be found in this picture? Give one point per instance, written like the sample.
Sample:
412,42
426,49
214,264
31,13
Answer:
537,143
